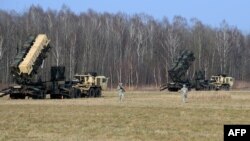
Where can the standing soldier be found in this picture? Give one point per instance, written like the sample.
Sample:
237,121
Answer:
184,93
121,91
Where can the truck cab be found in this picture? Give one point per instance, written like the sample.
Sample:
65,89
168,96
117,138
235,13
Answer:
222,82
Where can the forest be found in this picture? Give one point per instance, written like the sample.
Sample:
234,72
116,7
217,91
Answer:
137,50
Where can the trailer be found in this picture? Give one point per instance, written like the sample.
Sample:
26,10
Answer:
27,64
178,76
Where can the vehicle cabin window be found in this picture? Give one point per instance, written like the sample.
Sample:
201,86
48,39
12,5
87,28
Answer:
76,77
98,81
86,78
82,79
227,80
215,78
103,80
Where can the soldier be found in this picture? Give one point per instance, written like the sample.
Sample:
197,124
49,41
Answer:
121,91
184,93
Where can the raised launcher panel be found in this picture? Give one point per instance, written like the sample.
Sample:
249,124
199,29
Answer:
41,42
22,53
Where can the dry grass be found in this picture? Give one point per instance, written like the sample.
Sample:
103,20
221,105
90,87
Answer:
213,95
241,85
142,116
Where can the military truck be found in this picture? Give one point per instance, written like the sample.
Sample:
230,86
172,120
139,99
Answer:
89,85
216,82
221,82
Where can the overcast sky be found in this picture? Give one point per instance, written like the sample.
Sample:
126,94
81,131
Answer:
210,12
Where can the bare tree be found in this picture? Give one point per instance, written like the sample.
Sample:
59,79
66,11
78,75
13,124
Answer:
135,49
222,45
1,47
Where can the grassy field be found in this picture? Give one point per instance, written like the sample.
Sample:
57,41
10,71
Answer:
142,116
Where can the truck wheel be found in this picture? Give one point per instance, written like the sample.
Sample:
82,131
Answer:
21,96
38,95
98,92
72,93
34,97
12,96
77,93
43,96
91,92
55,96
225,87
52,96
15,96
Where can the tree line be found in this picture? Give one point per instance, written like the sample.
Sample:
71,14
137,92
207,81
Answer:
137,50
